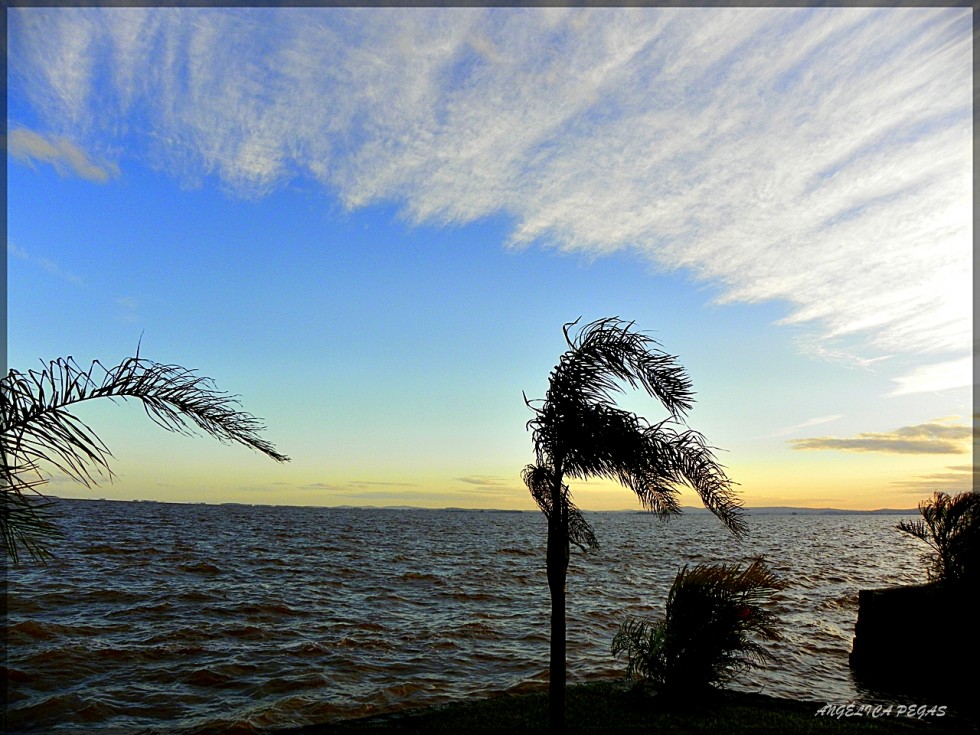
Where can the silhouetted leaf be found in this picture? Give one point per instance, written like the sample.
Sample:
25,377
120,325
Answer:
37,426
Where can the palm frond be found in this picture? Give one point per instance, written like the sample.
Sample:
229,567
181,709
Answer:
539,481
607,352
916,529
596,440
690,460
36,422
25,519
587,439
643,642
37,426
950,525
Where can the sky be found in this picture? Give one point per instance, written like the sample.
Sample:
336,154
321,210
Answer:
372,224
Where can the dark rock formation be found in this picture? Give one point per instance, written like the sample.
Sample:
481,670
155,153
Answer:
919,640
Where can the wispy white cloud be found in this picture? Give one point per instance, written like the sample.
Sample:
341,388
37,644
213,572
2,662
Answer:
128,309
819,156
27,146
46,264
935,377
816,421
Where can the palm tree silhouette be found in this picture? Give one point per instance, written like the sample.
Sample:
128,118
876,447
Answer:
37,426
951,526
578,432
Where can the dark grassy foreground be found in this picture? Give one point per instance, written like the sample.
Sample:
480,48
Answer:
608,707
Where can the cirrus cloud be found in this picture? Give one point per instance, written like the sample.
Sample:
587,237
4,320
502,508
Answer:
817,156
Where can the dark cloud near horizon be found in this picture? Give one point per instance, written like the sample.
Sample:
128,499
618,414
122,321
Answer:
918,439
66,157
486,481
959,478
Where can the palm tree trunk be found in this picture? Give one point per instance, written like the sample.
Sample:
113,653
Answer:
557,564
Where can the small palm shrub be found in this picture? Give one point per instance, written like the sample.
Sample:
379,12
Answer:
715,619
951,526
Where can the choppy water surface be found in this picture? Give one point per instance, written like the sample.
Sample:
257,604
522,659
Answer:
161,618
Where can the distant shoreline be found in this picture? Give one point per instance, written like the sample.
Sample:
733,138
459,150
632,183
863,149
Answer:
692,510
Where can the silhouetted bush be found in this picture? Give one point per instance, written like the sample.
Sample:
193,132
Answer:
951,526
715,619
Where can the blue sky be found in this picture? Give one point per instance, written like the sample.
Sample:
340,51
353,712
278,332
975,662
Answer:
371,224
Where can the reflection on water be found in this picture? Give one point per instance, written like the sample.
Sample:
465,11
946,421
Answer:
159,616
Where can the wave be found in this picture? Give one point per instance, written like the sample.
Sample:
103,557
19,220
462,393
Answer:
207,677
57,709
14,676
307,648
248,632
202,567
40,631
149,609
266,610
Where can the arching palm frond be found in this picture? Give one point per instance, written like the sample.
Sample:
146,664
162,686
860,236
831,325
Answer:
608,352
538,480
586,439
580,432
37,426
685,458
597,440
600,441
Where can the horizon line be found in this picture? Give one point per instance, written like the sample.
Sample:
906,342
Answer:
686,508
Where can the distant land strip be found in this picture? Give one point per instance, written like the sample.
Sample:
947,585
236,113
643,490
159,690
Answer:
761,510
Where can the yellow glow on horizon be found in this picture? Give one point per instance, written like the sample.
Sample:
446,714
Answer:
212,473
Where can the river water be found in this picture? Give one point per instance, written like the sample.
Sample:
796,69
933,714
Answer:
162,618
